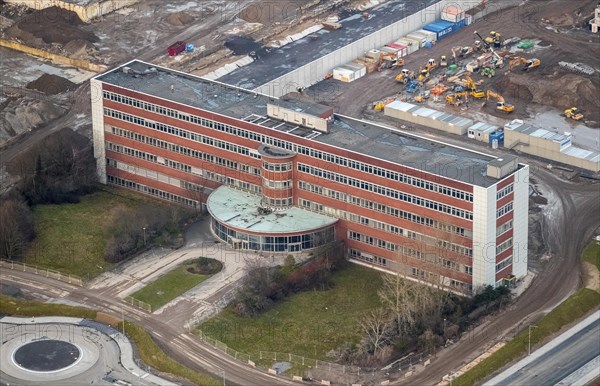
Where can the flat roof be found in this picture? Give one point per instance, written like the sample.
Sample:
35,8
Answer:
363,137
279,61
239,209
525,128
504,160
425,112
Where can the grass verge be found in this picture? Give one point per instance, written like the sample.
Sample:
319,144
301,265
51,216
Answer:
575,307
149,351
169,286
70,238
308,323
591,253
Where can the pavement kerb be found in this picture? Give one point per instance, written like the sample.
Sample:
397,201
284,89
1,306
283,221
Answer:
125,347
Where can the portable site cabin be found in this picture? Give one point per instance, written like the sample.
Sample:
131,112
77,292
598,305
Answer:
419,37
441,28
453,14
411,44
401,49
349,72
431,36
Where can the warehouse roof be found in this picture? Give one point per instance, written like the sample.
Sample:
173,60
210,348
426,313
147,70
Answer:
240,210
355,135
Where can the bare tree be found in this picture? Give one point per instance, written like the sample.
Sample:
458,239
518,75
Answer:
16,228
376,326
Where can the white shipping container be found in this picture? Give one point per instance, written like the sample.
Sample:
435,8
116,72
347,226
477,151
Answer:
431,36
349,72
411,45
418,37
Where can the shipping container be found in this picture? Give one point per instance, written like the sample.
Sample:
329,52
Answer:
402,49
411,45
452,13
349,72
419,37
442,28
176,48
431,36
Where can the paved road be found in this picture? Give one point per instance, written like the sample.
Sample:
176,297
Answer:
558,359
183,347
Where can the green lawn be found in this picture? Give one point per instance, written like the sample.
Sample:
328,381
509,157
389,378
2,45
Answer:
591,253
575,307
71,237
169,286
308,323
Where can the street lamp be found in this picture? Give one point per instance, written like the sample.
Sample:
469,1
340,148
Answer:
144,228
529,340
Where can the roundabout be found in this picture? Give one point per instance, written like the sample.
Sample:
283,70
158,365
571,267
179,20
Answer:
60,351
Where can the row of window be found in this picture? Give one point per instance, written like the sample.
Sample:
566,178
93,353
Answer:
504,263
504,210
380,208
277,202
279,167
504,227
185,151
402,249
277,184
130,152
181,133
265,139
504,191
342,179
355,254
504,246
152,191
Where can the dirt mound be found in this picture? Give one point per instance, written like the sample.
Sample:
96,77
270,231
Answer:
51,84
560,91
50,25
179,19
79,48
23,114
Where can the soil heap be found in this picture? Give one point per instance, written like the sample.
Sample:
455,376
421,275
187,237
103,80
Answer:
50,25
51,84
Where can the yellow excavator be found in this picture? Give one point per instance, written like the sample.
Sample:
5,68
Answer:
574,114
443,61
529,63
500,103
474,91
456,99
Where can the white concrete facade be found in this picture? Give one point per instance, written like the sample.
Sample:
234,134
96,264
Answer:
98,129
484,236
520,221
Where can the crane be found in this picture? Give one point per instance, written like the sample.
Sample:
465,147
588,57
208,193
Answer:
498,62
500,103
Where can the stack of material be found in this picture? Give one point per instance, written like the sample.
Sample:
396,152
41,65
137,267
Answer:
369,63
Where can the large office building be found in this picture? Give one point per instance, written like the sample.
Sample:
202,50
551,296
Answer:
288,176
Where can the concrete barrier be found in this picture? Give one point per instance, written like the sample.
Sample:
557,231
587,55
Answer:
386,382
408,374
271,371
55,58
326,383
251,363
296,378
427,363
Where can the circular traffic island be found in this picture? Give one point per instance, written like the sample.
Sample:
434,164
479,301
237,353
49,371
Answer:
46,355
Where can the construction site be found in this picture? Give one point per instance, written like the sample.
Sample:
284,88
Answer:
497,77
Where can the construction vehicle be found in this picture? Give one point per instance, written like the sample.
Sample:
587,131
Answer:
500,103
431,64
473,90
494,39
487,71
438,89
457,98
574,114
412,86
423,75
443,61
404,76
529,63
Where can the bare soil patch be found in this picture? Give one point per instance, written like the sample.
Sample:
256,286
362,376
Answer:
51,84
